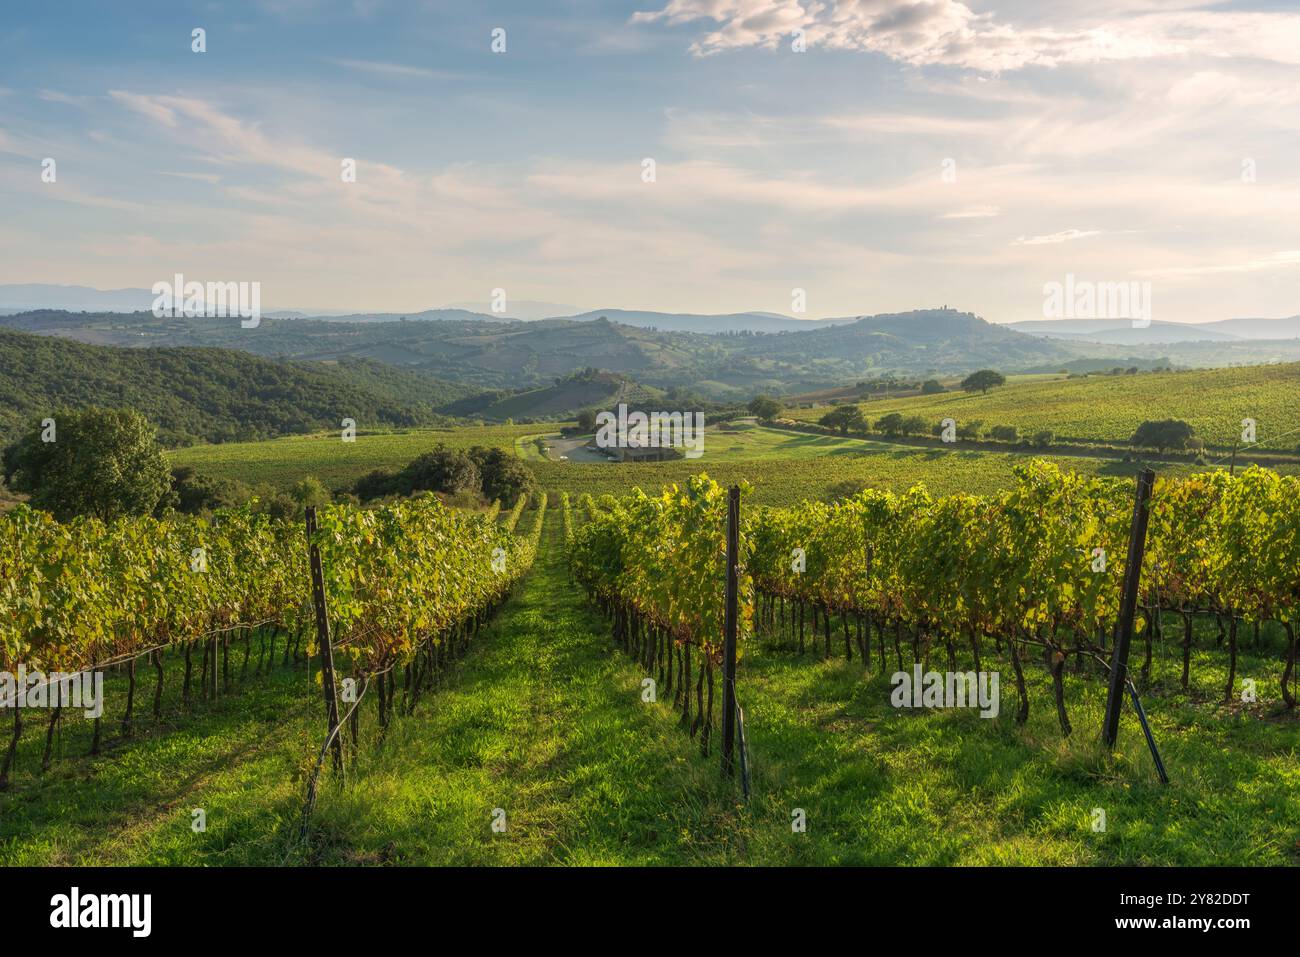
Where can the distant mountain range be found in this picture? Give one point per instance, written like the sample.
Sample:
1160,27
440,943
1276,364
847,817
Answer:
514,355
37,296
711,324
517,362
1123,332
526,310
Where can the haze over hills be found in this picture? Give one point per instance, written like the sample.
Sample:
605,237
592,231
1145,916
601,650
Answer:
518,363
1123,332
515,355
21,297
27,297
525,310
691,322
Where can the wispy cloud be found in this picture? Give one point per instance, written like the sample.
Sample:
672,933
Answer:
202,177
380,68
950,33
1064,236
1278,260
1134,120
150,106
973,212
55,96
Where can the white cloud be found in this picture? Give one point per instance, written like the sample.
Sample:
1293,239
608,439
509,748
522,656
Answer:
1064,236
950,33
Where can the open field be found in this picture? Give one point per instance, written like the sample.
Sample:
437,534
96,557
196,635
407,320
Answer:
281,462
782,466
1108,409
543,718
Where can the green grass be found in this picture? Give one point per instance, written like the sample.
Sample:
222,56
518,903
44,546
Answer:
1109,408
543,718
282,462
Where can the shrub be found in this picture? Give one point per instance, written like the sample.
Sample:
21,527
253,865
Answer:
1161,434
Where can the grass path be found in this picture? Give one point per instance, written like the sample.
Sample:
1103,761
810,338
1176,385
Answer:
545,722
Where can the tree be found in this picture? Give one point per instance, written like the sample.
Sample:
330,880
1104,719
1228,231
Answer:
1043,438
931,387
1163,434
890,424
101,462
1004,433
495,473
193,493
451,471
586,421
844,417
765,407
982,381
915,425
502,475
376,484
310,491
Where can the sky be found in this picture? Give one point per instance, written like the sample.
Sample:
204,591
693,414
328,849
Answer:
879,155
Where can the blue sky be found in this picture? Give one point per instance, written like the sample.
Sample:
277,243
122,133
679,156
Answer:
1106,140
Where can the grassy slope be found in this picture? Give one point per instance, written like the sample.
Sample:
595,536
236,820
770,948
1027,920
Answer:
1109,408
544,719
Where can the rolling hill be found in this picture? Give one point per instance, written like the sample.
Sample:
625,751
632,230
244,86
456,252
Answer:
713,324
515,354
483,354
1108,408
206,394
560,400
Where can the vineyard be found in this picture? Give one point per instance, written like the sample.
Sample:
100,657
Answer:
1107,409
570,674
407,586
1034,570
656,568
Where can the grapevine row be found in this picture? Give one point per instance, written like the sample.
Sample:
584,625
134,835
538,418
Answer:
1037,566
407,584
656,567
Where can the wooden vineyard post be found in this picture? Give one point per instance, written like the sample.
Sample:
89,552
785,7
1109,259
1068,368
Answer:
729,638
323,639
1128,607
